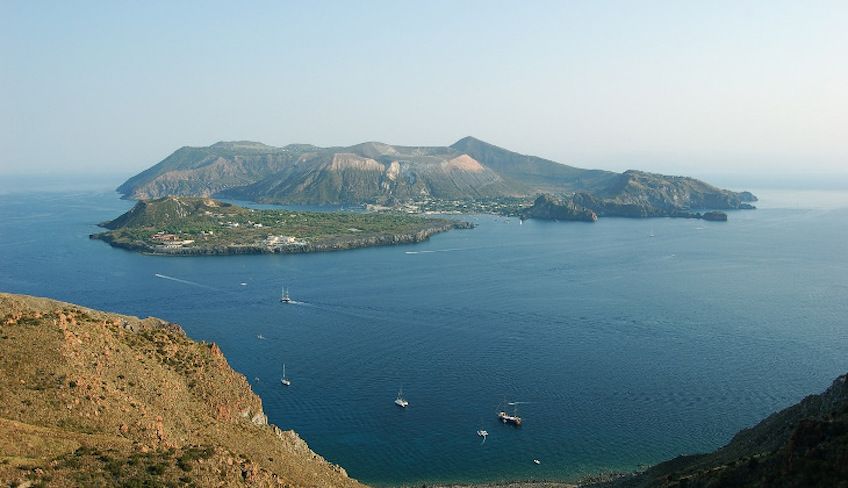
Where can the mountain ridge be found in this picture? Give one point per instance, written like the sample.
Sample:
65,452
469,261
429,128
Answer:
376,172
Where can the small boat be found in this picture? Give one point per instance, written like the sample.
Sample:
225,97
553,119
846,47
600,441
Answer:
509,419
400,401
513,419
285,380
652,233
285,298
260,337
536,461
483,433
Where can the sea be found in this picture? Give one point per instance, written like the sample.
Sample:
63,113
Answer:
620,343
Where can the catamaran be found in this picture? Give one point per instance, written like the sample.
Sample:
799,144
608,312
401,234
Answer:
285,298
285,380
400,401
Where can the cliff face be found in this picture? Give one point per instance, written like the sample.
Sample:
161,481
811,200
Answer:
547,207
374,172
91,398
803,445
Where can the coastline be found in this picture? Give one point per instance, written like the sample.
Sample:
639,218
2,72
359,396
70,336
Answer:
319,245
598,479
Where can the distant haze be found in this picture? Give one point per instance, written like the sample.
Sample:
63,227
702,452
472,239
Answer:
719,87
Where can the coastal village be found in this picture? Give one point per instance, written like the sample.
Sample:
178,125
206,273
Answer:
172,241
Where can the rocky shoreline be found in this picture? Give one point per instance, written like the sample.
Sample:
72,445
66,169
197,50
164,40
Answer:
319,245
584,482
587,208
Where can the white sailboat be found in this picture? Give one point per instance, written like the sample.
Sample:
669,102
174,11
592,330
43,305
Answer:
285,380
285,297
400,401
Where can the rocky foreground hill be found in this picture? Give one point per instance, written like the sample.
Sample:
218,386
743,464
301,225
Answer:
89,398
805,445
374,172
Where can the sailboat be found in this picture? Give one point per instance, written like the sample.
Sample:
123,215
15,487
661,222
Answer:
285,380
285,297
400,401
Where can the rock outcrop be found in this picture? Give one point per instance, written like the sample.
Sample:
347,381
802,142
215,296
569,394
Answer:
89,398
549,207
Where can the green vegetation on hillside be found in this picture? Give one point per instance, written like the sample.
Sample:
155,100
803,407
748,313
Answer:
186,225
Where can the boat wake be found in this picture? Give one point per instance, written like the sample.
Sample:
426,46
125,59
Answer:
433,251
185,282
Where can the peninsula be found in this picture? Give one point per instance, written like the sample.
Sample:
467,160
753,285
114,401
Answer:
193,226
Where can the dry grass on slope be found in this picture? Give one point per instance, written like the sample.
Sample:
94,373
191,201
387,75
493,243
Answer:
96,399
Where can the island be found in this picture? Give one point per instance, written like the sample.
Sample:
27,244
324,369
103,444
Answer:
195,226
469,176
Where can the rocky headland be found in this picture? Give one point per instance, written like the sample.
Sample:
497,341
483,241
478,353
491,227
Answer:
588,208
89,398
550,207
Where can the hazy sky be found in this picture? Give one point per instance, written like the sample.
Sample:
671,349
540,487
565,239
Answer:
679,86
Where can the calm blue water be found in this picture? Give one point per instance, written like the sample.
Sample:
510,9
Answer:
627,349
